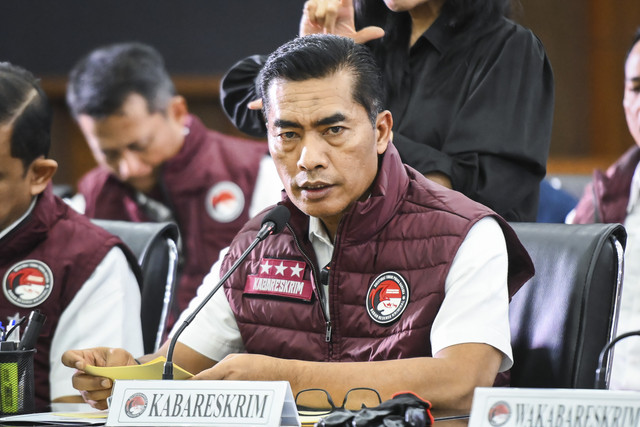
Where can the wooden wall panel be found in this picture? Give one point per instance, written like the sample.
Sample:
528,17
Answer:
611,28
561,26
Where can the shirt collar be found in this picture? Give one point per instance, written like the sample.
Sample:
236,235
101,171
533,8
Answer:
317,231
19,220
439,34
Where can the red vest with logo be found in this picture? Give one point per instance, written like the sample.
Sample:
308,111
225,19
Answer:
44,261
208,186
394,248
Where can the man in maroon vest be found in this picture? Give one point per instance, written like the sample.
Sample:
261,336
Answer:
156,162
53,259
381,278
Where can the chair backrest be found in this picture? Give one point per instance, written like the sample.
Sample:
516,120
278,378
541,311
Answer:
155,247
563,317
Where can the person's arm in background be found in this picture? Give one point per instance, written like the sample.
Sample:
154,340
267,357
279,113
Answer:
106,310
237,90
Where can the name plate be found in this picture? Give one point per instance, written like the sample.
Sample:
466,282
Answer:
527,407
211,403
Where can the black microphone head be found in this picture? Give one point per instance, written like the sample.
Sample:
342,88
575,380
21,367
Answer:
278,216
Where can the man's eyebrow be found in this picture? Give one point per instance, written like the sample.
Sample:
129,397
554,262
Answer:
338,117
335,118
280,123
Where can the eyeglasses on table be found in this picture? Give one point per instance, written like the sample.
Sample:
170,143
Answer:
317,401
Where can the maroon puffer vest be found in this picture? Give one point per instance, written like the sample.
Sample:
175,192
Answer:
606,197
409,226
54,238
208,167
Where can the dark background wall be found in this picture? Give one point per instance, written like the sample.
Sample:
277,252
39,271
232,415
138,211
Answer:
195,36
586,41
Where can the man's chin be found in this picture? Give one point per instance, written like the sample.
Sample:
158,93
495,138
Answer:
142,186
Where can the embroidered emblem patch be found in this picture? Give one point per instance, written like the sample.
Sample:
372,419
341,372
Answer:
387,297
280,277
28,283
224,201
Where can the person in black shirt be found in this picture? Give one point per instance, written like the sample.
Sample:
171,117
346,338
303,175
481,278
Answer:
471,91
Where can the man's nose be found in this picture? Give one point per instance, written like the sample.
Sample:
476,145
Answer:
313,154
131,166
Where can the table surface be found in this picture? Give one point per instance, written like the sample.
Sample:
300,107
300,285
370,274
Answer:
450,418
442,418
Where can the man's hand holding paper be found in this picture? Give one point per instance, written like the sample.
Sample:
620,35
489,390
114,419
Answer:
95,390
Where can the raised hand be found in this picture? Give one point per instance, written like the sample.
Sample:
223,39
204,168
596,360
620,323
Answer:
334,17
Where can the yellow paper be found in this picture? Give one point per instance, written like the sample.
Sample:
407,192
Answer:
147,371
91,415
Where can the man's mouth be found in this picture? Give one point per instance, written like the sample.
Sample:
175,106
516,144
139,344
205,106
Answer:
315,191
314,186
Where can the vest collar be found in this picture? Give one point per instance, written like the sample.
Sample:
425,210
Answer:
19,220
33,228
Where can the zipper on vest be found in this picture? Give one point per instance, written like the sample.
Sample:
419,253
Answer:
318,280
324,283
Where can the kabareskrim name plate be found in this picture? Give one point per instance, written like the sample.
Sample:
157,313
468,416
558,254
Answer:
211,403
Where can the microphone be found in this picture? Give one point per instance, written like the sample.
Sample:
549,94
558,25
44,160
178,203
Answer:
600,381
272,223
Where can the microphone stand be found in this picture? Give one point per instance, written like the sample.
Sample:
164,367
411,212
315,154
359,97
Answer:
600,382
273,223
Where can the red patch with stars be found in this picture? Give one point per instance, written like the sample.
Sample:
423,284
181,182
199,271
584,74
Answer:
280,277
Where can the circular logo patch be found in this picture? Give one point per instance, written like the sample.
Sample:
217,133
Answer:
135,405
499,413
387,297
225,201
28,283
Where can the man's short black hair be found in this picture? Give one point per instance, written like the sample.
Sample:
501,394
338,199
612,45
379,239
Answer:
102,80
320,55
636,39
25,107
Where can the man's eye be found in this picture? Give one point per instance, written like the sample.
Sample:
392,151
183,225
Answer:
111,156
287,135
139,146
633,87
334,130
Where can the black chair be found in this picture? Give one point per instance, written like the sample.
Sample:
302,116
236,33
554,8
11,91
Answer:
154,245
563,317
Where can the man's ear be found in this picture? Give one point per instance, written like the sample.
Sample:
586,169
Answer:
40,173
178,109
384,134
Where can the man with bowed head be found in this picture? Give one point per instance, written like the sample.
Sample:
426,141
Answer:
52,258
157,162
360,220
